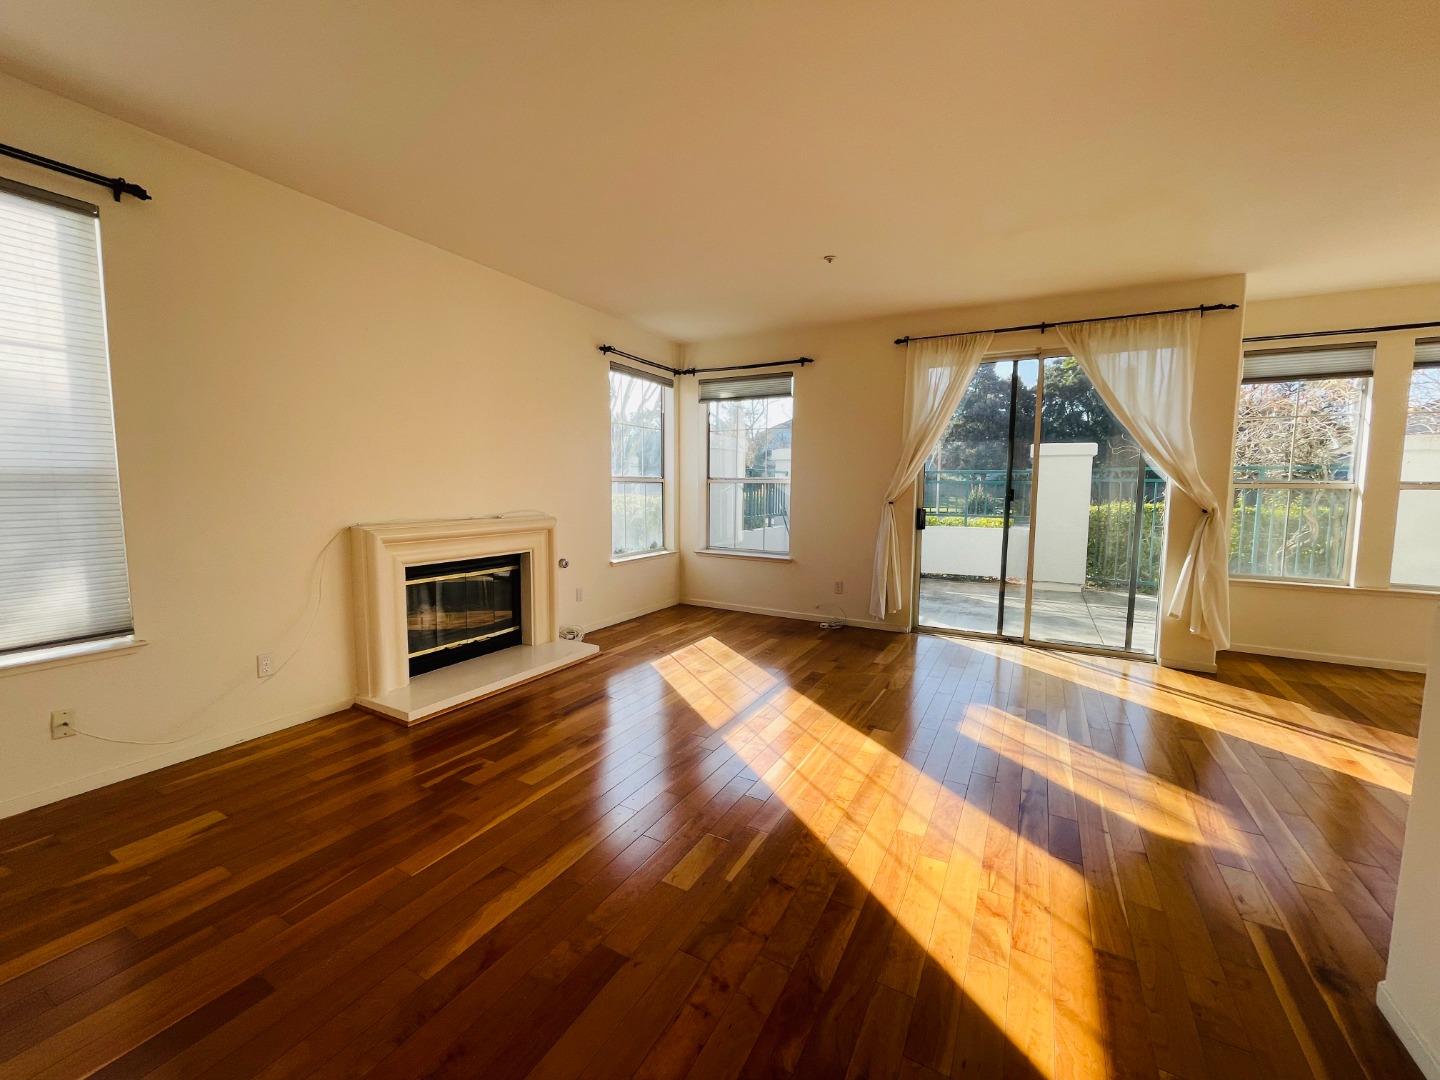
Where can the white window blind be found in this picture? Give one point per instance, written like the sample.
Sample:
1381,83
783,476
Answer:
641,373
1327,362
62,546
747,386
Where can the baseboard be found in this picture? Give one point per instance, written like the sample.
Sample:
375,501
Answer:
616,620
1329,658
1196,666
169,755
781,613
1426,1060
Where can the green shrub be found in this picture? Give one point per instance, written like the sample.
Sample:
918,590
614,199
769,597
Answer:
953,520
1107,545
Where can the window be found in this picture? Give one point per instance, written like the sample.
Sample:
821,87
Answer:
1416,560
637,461
1297,452
749,422
62,546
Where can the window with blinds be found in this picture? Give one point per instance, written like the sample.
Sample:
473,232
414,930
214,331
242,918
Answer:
748,422
637,460
63,576
1298,439
1415,560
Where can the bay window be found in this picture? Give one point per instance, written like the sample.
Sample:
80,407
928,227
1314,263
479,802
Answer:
748,429
1298,445
1416,559
637,461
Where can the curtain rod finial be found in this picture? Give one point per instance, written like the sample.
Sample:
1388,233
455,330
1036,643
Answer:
902,341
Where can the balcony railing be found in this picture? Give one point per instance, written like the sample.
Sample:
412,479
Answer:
1290,532
976,498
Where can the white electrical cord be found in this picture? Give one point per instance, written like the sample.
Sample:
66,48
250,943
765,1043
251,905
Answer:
317,598
318,595
831,623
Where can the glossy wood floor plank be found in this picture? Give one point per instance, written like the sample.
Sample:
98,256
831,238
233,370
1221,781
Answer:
734,846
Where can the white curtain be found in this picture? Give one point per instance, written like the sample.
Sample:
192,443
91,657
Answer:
936,375
1144,368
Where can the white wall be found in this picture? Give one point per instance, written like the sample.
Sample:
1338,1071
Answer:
974,551
847,439
1062,507
1410,994
283,369
1062,512
1370,623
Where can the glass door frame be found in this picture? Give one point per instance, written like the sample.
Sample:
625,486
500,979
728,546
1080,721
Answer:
998,634
1024,638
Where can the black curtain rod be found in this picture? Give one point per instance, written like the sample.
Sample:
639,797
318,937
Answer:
1337,333
800,361
640,359
118,185
1043,326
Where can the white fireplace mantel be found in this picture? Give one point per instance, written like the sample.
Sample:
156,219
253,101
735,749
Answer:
381,554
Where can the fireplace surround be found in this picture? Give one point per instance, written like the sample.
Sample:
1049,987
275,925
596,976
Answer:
388,557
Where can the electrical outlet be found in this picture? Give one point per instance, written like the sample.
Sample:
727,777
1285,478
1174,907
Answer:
62,723
839,588
264,666
579,596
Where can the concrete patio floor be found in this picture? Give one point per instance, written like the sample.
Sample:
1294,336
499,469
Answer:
1085,616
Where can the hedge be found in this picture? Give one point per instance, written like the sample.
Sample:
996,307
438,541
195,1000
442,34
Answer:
951,520
1107,548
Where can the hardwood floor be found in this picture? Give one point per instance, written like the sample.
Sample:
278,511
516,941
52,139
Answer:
739,846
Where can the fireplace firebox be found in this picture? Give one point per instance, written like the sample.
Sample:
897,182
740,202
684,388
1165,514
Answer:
459,610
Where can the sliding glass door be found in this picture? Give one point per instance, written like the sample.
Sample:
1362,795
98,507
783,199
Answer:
976,503
1042,521
1100,516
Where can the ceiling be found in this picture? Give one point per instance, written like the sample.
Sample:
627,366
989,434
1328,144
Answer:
687,164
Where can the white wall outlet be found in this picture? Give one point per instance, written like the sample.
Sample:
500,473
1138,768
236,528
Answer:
264,666
579,596
839,588
62,723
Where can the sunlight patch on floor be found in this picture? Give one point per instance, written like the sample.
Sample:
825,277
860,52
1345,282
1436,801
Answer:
969,889
1329,742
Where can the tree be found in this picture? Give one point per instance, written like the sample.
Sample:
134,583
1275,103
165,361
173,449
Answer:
1302,429
979,430
1424,415
1072,411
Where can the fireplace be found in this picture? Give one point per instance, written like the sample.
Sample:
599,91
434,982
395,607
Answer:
462,609
451,611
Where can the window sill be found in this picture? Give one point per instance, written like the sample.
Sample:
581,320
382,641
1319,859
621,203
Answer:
1336,586
60,655
641,556
761,555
